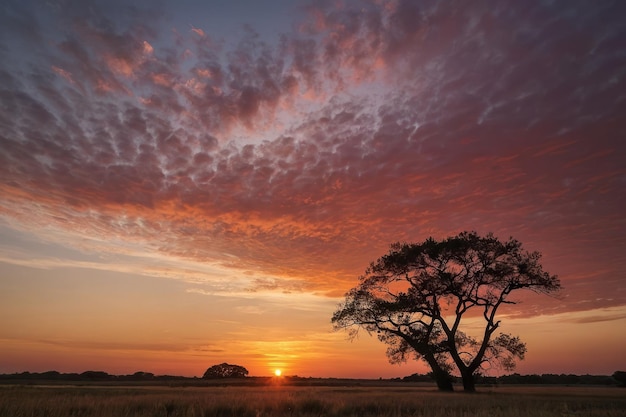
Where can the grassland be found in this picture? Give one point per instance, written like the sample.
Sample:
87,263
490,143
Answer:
279,400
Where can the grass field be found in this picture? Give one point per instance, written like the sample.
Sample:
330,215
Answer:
111,401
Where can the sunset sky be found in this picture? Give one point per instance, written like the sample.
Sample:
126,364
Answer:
185,183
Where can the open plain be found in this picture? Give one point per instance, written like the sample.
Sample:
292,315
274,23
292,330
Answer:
283,400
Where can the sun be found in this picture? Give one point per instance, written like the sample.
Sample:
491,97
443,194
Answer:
278,372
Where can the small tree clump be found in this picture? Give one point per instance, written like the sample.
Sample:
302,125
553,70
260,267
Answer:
225,370
620,377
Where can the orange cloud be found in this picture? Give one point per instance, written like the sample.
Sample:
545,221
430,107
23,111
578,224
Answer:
147,48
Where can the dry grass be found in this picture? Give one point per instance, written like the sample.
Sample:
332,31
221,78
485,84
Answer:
279,401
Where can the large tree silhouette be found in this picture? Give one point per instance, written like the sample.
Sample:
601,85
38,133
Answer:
225,370
416,296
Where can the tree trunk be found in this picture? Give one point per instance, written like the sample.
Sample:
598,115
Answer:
469,384
444,383
442,377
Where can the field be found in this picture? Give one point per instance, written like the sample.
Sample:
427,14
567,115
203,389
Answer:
280,400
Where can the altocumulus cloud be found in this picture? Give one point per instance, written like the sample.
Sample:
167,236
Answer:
303,158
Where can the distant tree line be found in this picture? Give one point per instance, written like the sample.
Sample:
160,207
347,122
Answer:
618,378
221,371
86,376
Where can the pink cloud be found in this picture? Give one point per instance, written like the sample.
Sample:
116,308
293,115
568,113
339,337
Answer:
64,74
367,127
198,31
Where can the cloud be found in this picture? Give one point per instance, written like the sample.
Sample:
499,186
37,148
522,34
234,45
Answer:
198,31
113,346
64,74
424,120
597,319
108,346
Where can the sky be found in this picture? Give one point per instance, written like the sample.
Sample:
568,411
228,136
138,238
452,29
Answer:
186,183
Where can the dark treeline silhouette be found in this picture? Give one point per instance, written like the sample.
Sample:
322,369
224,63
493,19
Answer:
543,379
617,378
86,376
620,376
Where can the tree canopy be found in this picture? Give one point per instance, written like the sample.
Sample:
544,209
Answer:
416,296
225,370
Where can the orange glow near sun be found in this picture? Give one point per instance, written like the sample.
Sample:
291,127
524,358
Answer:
278,372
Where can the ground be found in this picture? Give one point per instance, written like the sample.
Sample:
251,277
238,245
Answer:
276,399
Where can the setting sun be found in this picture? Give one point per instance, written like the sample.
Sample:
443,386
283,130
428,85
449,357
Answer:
278,372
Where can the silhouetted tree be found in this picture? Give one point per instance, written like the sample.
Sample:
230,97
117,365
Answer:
620,376
225,370
140,376
415,297
95,375
50,375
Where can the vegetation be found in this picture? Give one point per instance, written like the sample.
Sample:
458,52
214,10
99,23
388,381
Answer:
87,376
51,378
517,379
416,296
225,370
620,376
282,401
